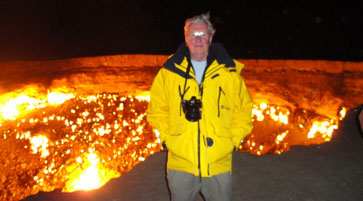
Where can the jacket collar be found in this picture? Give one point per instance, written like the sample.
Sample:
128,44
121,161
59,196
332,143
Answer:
216,53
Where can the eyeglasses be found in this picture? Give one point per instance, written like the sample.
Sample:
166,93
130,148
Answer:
201,34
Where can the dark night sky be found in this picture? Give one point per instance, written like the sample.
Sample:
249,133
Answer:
274,29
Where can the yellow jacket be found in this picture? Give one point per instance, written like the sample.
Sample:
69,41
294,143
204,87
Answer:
203,148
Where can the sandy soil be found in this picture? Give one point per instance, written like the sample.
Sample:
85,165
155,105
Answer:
330,171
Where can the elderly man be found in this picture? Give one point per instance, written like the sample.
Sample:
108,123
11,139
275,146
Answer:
201,108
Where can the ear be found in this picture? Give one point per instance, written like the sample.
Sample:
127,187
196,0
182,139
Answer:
186,40
210,40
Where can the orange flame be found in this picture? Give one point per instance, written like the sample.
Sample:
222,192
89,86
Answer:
91,176
11,105
325,128
97,138
40,142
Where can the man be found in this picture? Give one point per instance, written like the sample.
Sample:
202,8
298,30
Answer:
201,109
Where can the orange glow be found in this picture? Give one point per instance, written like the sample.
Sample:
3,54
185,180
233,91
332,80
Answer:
113,137
281,137
81,142
39,142
91,176
342,113
58,97
325,128
85,119
276,130
10,108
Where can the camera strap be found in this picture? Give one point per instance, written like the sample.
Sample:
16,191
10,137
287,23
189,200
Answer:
185,83
185,89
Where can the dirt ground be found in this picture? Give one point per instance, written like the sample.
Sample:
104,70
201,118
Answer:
331,171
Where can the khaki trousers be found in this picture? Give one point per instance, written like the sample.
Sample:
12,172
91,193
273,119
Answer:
184,186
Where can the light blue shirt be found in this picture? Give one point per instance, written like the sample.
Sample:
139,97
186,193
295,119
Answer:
199,67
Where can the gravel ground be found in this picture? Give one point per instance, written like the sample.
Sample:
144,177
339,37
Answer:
332,171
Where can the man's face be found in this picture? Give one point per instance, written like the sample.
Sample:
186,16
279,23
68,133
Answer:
198,40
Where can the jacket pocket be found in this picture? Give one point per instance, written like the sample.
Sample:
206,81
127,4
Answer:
220,92
181,149
221,148
222,120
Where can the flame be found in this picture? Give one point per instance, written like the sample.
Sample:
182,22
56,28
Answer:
93,139
278,130
342,113
12,107
280,137
259,112
325,128
144,96
270,110
86,122
92,177
58,97
40,142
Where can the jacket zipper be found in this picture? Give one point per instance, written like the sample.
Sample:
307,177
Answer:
201,95
219,98
199,171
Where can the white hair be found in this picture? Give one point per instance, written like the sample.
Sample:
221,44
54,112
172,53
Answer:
200,18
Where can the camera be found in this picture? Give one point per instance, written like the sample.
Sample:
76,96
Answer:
192,109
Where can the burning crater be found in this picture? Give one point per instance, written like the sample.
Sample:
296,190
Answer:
75,124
